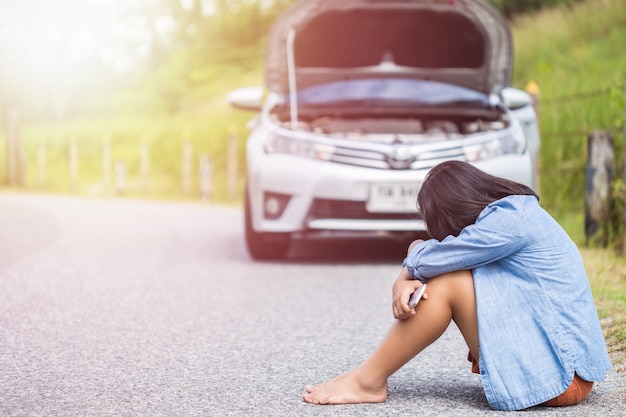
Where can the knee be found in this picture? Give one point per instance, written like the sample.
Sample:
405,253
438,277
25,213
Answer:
452,282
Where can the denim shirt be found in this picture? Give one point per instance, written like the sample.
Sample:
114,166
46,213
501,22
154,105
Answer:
537,322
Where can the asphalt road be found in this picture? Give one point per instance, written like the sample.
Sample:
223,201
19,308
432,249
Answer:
126,308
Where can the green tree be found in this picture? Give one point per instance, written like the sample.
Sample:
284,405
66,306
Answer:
512,8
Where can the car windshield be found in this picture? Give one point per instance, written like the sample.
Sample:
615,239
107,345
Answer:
389,92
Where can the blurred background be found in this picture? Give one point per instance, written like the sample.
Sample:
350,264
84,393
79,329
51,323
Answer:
122,98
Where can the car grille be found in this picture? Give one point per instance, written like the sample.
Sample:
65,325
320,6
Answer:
399,157
344,209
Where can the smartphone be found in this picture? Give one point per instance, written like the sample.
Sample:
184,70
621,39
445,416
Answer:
417,296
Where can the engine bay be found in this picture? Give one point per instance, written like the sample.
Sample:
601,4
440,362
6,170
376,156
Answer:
386,129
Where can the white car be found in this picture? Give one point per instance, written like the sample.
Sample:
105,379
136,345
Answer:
362,98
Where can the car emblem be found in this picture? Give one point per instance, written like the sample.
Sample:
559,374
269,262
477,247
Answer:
400,157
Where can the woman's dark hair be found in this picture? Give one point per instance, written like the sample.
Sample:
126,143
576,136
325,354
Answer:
454,193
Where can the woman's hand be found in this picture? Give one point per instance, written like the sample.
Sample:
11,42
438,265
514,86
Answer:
402,289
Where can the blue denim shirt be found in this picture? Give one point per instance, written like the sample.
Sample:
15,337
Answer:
537,322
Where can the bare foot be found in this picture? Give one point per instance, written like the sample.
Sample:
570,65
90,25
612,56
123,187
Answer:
349,388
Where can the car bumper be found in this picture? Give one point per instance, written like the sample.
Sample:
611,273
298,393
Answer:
325,199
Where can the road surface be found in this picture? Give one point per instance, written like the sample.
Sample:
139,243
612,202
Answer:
129,308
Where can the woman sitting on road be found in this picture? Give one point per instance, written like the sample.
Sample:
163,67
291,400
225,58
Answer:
512,281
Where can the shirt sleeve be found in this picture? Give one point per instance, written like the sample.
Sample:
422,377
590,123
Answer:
495,235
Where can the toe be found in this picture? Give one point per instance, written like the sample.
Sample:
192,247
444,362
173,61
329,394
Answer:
309,399
311,388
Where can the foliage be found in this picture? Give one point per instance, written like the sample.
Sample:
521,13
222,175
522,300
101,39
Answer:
573,54
568,51
512,8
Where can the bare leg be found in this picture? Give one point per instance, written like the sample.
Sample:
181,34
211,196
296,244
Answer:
451,296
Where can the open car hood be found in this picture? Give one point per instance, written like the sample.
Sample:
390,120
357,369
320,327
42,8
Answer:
461,42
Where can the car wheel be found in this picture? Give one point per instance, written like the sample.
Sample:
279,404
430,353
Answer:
263,246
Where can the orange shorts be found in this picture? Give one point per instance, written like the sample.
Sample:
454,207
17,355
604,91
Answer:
577,391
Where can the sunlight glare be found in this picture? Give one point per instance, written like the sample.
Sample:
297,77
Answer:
50,41
40,38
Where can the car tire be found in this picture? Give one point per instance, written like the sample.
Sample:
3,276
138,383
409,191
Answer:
263,246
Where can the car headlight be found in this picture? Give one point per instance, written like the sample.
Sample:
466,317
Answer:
511,142
300,147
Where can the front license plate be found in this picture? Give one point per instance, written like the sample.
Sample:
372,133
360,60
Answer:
393,198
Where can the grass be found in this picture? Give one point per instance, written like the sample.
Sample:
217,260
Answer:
162,137
570,52
607,275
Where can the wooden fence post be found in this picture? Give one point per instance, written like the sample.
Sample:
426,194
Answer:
206,180
144,162
41,165
187,166
624,170
106,165
15,162
73,166
120,177
599,177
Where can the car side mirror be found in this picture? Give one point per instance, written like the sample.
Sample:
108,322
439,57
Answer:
247,98
516,99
